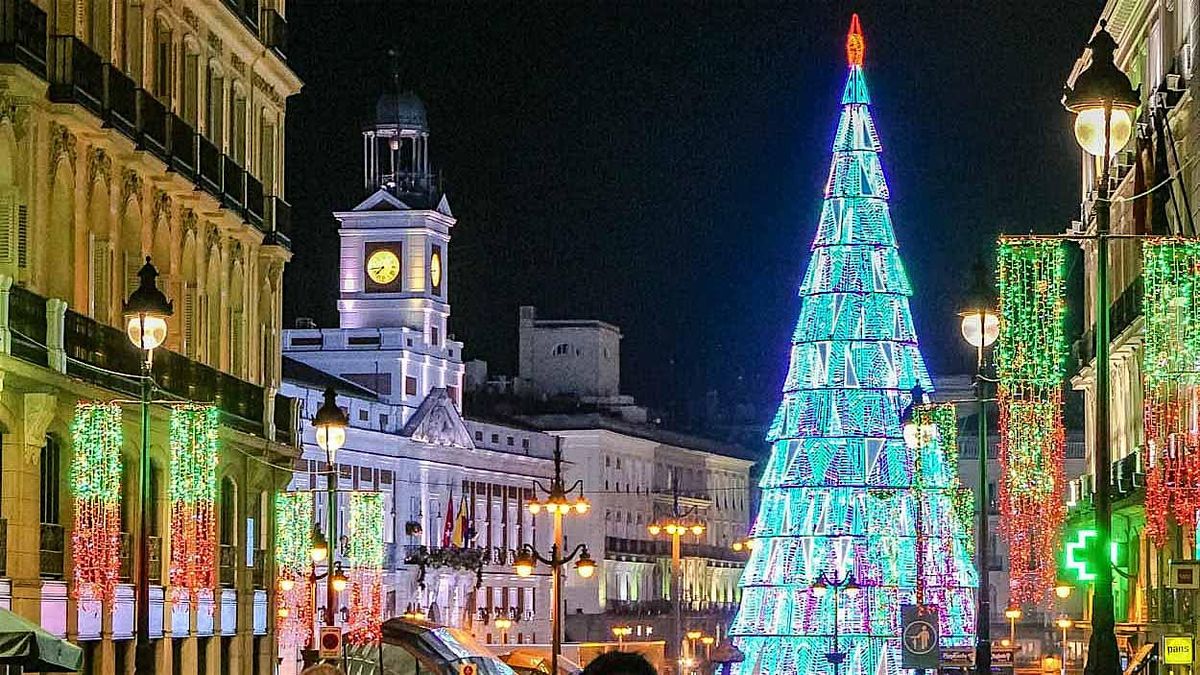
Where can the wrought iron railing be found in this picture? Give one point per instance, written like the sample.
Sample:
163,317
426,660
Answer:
76,74
27,320
23,35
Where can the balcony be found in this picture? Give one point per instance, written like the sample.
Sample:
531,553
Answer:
185,149
277,221
273,32
50,551
120,101
254,201
27,321
23,35
1123,311
227,564
76,74
661,548
211,163
152,125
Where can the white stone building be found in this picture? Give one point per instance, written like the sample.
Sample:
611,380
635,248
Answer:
399,378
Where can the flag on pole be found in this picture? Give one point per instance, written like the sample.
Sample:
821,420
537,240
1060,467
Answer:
448,526
459,538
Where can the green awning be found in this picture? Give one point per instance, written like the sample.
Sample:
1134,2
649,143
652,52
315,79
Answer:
24,643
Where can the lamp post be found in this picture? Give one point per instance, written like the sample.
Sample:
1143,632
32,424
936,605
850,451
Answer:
915,437
146,313
980,328
676,526
621,632
820,588
1103,100
330,425
1064,622
557,502
1012,614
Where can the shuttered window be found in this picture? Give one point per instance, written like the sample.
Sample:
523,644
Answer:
101,275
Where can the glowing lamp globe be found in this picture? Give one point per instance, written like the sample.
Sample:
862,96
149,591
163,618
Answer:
1089,129
694,634
282,612
524,563
286,585
1013,613
582,506
980,328
707,640
146,311
1062,590
654,530
1064,622
503,623
1100,91
697,530
330,423
737,545
585,567
535,508
339,580
320,548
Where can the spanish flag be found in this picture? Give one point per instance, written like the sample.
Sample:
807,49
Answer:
448,526
459,538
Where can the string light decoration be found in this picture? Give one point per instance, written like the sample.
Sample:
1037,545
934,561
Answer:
294,528
96,484
193,492
364,556
943,417
840,493
1030,363
1171,369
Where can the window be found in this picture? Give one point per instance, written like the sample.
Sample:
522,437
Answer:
495,438
562,349
434,337
266,170
479,436
191,88
510,441
50,481
410,386
228,512
237,129
162,62
383,420
214,118
364,415
525,443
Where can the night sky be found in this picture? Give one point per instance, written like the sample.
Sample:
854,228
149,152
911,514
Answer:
659,165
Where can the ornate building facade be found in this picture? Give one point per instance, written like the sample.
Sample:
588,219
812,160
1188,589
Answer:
1157,50
133,129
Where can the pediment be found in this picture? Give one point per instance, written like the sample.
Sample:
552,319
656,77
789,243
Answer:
438,422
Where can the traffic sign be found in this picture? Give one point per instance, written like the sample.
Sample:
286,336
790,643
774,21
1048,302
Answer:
468,669
919,637
331,643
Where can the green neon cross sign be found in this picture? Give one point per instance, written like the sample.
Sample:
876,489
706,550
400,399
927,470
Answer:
1077,559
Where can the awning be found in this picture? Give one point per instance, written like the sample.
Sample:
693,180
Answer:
1141,658
24,643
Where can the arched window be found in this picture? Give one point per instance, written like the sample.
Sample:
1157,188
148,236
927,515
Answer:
562,349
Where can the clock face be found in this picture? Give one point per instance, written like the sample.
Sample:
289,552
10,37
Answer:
383,266
435,270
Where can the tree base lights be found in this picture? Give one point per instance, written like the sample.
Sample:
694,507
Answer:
1171,366
1030,361
193,491
96,483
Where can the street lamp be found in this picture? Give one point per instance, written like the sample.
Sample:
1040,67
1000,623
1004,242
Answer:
621,632
1103,100
676,526
743,545
146,313
559,502
980,328
1012,614
330,424
1062,590
1064,622
821,588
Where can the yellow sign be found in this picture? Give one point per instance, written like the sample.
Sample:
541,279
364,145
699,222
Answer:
1178,650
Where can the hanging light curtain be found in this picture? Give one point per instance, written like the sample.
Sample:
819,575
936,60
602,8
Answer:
96,484
293,532
1171,373
1030,360
193,492
364,554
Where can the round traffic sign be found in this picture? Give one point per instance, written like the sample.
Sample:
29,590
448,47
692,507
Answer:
920,637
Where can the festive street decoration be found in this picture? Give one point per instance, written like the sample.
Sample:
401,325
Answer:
841,493
943,418
294,538
96,484
364,556
1030,363
193,492
1171,368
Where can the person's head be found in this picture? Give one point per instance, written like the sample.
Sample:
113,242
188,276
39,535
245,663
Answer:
619,663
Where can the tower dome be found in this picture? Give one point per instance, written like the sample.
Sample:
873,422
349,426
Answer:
403,109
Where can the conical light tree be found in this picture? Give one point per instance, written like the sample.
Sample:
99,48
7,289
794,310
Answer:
843,497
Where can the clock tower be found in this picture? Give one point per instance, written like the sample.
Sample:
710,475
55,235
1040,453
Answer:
394,244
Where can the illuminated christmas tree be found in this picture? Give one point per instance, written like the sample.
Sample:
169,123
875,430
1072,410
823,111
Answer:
842,495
